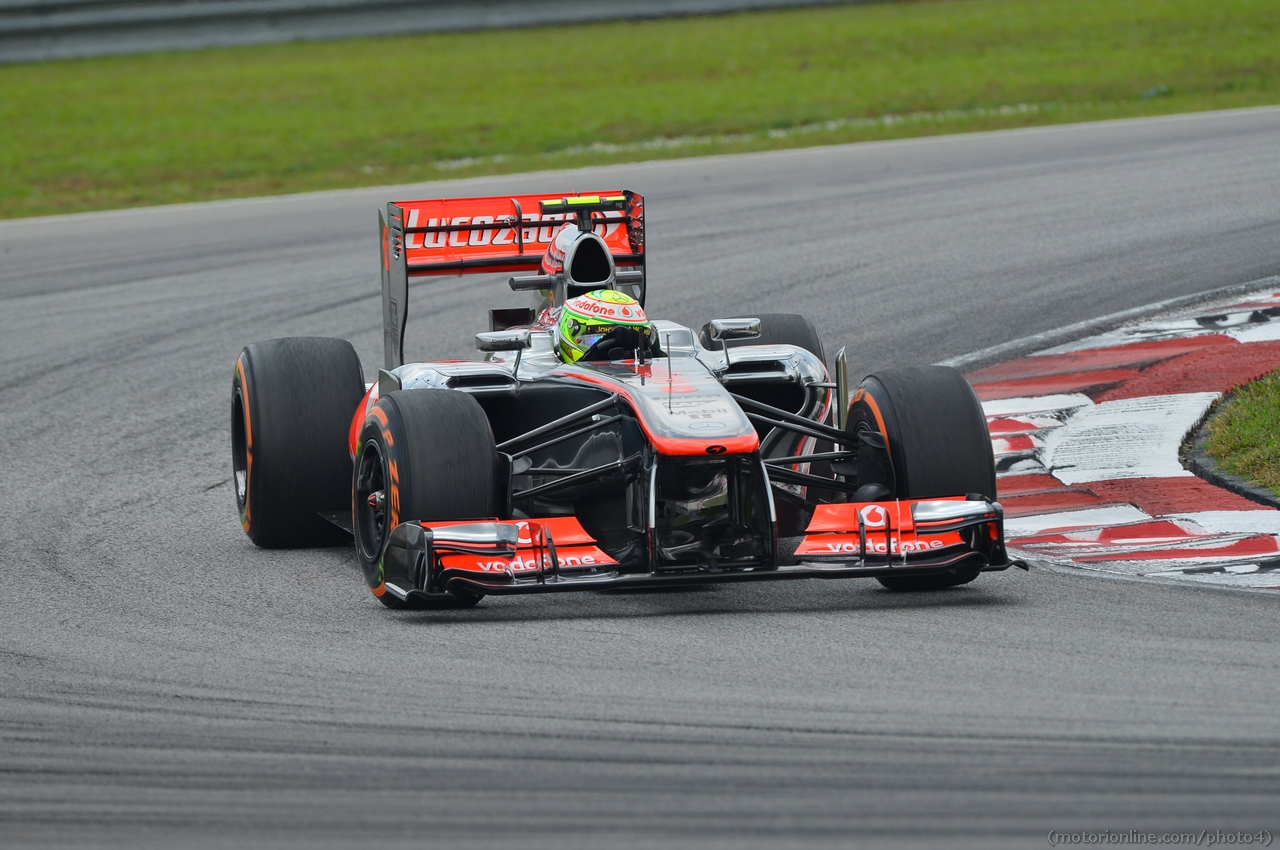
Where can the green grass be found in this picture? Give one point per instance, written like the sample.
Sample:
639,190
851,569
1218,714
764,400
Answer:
1244,436
161,128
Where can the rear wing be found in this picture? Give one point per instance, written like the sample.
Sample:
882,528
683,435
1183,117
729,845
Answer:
500,234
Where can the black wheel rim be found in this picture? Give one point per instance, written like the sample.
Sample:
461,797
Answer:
239,449
371,510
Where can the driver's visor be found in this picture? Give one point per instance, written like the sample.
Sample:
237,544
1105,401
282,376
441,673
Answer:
586,340
591,334
587,334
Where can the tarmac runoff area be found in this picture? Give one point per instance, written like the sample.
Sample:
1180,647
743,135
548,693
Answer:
1089,436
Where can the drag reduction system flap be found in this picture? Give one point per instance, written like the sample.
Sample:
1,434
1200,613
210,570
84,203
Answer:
500,234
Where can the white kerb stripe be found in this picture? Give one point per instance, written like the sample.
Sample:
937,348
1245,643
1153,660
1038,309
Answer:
1235,522
1266,332
1025,526
1128,438
1036,404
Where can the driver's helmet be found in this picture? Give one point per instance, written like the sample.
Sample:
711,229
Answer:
587,319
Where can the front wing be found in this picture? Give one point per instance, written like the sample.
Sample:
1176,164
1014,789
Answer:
426,561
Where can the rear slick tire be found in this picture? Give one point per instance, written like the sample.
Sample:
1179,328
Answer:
939,445
430,454
291,406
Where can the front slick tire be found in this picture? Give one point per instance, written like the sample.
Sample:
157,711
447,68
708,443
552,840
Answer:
938,442
425,455
291,406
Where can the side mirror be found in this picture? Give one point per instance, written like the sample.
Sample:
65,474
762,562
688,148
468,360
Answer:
723,330
529,282
510,340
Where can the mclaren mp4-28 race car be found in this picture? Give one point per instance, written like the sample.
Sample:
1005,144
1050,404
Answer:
594,448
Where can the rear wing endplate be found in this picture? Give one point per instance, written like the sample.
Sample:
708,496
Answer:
500,234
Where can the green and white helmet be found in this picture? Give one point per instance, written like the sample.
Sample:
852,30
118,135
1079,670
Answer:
587,319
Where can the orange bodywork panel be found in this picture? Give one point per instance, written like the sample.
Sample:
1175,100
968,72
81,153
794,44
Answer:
357,419
573,546
833,530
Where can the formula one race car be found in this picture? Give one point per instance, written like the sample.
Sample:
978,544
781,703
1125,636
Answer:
593,448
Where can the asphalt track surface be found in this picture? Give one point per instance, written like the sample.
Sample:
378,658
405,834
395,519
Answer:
163,683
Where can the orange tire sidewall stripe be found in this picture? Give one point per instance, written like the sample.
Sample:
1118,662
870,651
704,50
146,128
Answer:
864,396
377,414
242,383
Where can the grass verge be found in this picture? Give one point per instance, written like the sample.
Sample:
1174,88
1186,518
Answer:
1244,435
162,128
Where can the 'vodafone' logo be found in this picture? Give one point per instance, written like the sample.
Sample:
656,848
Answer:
592,307
874,516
